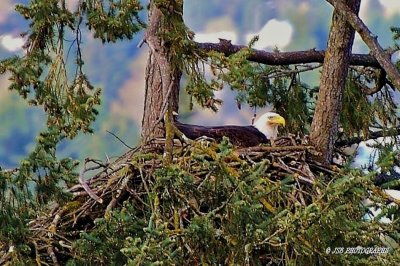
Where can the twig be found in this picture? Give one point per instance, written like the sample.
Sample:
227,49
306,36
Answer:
85,186
142,41
273,149
50,252
284,73
292,171
118,138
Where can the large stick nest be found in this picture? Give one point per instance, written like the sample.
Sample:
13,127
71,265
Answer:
132,176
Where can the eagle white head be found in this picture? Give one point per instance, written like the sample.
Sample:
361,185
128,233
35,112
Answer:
268,124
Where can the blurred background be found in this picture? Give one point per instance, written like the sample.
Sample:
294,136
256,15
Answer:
118,69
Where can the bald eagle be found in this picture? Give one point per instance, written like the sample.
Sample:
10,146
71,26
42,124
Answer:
264,129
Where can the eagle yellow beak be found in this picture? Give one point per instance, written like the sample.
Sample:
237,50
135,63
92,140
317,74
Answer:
277,120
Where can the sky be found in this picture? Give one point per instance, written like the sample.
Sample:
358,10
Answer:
281,30
391,6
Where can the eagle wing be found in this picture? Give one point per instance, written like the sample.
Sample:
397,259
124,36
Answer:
241,136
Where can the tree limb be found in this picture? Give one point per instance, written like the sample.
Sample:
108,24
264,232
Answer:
273,149
284,58
369,39
372,136
84,184
380,80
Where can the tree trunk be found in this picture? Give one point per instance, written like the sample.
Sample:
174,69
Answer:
162,79
333,78
370,40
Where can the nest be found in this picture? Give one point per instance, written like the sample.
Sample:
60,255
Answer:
131,177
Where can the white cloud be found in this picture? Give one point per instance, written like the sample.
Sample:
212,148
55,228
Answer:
274,33
10,43
215,36
391,6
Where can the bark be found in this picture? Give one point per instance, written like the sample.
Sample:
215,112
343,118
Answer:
334,73
285,58
161,79
369,39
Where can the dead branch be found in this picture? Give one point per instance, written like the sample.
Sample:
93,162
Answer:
285,58
274,149
118,138
85,186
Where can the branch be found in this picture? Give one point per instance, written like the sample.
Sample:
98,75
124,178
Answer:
274,149
284,58
118,138
369,39
379,77
372,135
298,69
84,184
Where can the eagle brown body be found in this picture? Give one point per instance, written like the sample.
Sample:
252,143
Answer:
265,129
240,136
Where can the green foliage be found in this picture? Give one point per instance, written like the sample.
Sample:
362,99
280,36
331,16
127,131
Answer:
261,85
184,55
35,183
12,228
42,78
357,111
362,109
103,245
212,208
396,38
177,38
155,248
295,104
114,20
396,32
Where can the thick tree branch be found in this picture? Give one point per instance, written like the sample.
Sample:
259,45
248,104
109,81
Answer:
285,58
370,40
